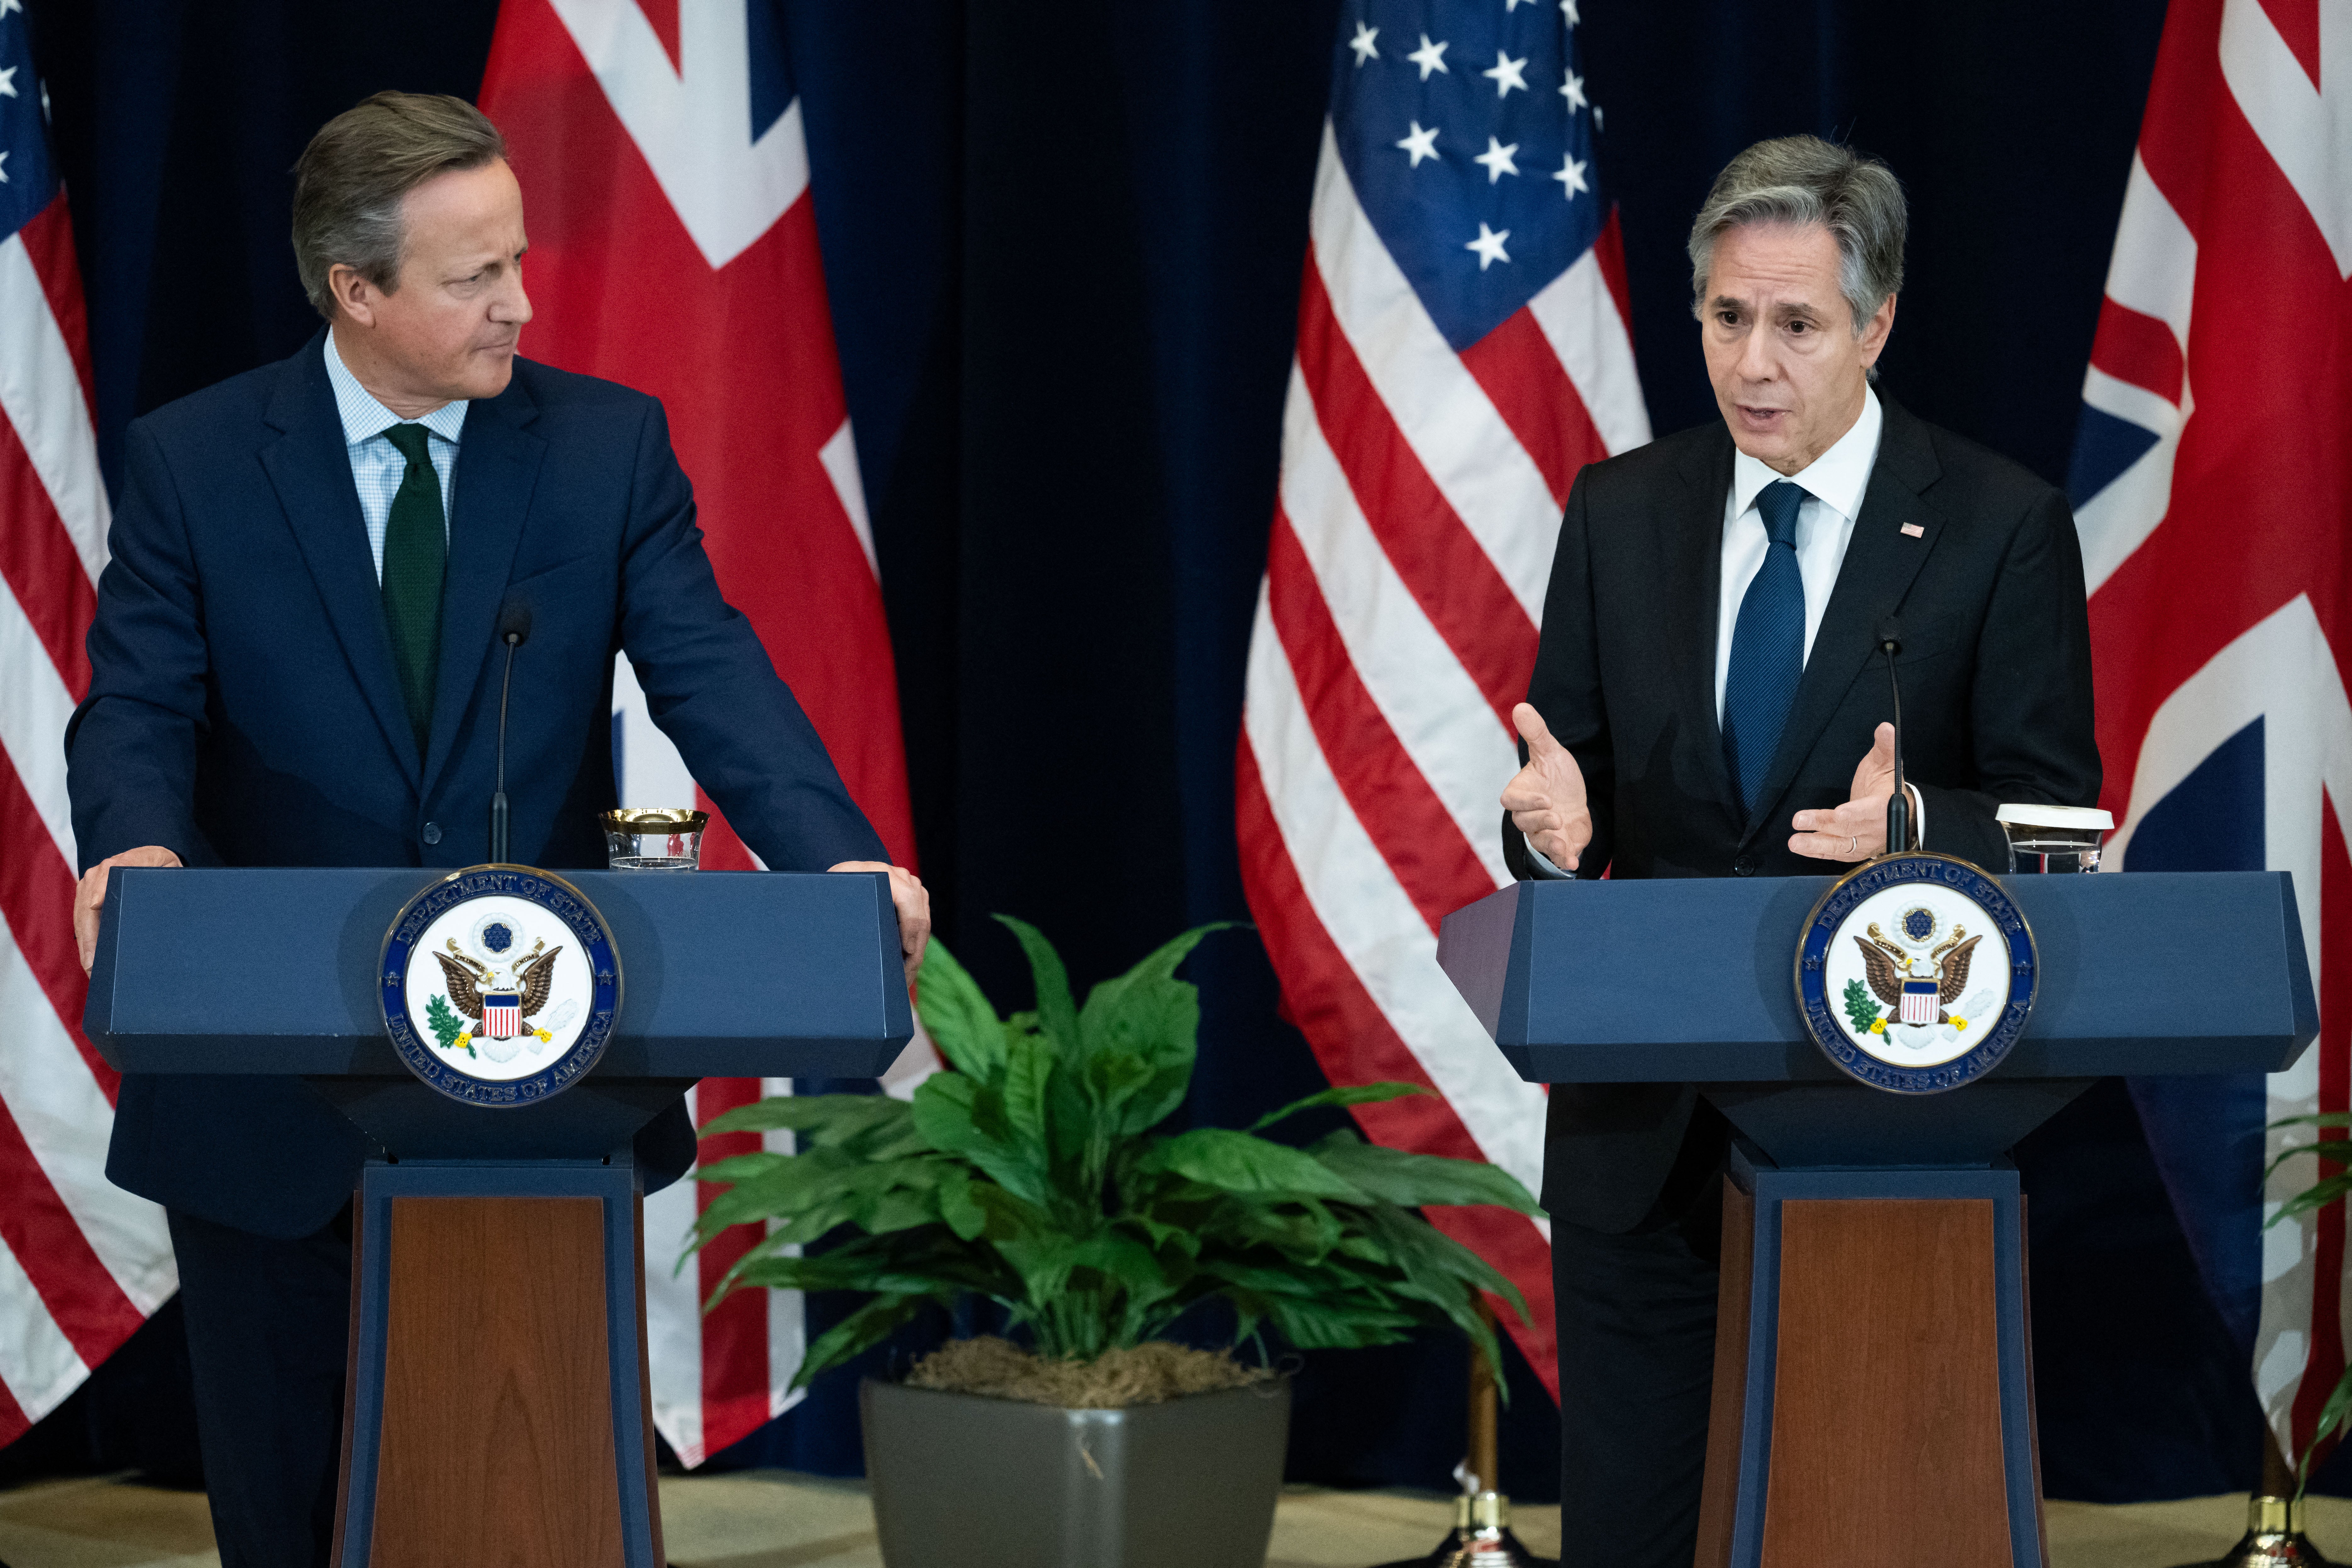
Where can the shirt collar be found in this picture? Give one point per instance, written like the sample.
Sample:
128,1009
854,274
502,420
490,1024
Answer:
1838,477
364,419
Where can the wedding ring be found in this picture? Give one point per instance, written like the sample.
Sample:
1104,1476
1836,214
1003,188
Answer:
1851,840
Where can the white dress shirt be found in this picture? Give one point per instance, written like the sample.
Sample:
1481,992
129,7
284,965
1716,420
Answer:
1833,484
377,467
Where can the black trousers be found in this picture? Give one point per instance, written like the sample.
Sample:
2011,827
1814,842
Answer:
268,1329
1636,1317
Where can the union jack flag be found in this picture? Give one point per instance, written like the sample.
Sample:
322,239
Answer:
2213,487
82,1262
1462,352
674,248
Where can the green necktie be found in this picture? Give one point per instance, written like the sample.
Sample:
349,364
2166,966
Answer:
415,549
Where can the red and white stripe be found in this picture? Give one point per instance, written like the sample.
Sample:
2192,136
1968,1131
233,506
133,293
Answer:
1420,502
673,253
82,1263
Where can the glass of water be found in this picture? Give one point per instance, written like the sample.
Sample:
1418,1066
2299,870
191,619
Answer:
2043,838
654,838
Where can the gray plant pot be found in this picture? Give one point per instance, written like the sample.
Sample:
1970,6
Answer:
962,1481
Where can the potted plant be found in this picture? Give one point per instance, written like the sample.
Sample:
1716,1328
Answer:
1034,1175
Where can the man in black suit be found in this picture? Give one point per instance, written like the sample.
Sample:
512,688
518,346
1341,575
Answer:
1705,684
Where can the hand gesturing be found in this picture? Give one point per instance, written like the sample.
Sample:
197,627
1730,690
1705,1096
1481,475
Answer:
1546,798
1856,830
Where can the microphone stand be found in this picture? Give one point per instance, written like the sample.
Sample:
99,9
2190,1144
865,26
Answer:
1898,804
499,797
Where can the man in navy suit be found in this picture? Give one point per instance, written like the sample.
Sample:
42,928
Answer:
295,662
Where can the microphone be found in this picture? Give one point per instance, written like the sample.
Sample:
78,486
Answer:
1898,804
514,630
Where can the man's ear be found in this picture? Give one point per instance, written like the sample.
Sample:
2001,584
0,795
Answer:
1874,335
354,295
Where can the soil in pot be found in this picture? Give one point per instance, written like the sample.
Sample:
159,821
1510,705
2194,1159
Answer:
1148,1374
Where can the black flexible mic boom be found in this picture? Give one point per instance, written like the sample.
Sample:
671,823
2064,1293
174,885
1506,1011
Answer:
514,630
1898,804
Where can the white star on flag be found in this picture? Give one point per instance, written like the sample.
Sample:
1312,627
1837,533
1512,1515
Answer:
9,5
1507,74
1496,160
1362,43
1568,9
9,82
3,168
1428,57
1572,89
1421,144
1489,247
1571,176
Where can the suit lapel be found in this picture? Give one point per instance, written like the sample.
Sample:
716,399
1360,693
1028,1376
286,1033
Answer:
498,466
1881,560
1691,579
309,467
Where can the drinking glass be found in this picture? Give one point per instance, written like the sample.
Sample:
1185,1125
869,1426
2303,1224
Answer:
654,838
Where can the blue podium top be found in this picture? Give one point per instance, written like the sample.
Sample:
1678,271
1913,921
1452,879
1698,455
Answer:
737,975
1693,981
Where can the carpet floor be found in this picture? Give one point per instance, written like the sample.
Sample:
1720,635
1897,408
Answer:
776,1519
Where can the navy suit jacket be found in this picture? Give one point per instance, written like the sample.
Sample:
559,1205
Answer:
244,711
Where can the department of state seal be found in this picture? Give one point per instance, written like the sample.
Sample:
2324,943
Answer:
1916,973
499,985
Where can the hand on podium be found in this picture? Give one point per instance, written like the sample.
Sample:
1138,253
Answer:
1856,830
1546,798
90,896
909,898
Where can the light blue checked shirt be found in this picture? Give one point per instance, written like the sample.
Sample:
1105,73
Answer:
377,467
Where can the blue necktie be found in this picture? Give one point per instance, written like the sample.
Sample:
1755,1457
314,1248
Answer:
1768,647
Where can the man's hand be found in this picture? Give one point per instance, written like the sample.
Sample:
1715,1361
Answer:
913,902
1546,798
90,896
1856,830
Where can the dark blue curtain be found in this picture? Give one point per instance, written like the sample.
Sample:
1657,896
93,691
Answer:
1064,242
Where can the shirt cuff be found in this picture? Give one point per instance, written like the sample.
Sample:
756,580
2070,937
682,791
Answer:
1919,815
1541,864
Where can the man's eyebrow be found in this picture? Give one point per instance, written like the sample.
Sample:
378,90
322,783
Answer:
1726,302
1793,309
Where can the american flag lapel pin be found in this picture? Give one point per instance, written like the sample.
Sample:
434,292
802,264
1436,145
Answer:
1913,530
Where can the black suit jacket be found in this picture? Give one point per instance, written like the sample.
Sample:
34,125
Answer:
243,707
1996,671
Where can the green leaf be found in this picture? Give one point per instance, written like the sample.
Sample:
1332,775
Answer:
1344,1094
819,1120
2332,1418
1149,1013
1057,1014
862,1330
1239,1162
1028,1068
956,1015
1420,1181
955,1115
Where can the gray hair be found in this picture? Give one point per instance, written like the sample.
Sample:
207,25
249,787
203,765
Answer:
351,180
1805,180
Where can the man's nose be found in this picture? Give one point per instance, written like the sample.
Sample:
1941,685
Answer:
1757,360
514,306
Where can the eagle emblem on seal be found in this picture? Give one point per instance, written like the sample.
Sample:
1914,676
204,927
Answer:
1918,989
502,1005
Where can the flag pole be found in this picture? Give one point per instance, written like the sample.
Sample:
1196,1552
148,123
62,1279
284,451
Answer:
1481,1537
2275,1537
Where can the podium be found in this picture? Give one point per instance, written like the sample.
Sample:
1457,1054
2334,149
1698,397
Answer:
1873,1394
497,1408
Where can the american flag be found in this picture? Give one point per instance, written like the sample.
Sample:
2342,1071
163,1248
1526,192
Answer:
674,248
1462,352
82,1262
2213,487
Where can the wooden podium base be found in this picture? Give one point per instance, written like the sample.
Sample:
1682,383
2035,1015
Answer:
1873,1395
497,1406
